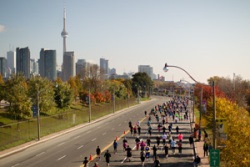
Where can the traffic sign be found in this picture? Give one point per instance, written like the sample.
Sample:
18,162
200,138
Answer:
214,158
34,109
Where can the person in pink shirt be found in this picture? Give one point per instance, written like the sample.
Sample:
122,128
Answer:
180,137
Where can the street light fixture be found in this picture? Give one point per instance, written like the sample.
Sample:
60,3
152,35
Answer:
214,98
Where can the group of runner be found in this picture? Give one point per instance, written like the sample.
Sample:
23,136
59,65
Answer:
175,109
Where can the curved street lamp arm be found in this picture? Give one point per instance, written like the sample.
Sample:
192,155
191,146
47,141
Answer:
184,71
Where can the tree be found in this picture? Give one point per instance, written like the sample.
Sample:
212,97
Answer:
236,150
63,95
17,96
141,81
41,90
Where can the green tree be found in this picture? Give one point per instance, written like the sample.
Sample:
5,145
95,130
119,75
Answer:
63,94
141,82
17,96
41,90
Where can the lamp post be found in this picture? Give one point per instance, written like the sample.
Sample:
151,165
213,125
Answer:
214,105
38,115
89,98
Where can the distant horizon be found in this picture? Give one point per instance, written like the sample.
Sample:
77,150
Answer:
206,38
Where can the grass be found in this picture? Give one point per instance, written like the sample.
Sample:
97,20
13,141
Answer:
16,133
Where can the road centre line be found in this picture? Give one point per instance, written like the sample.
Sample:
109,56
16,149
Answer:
80,147
76,137
61,144
104,133
61,157
40,154
93,139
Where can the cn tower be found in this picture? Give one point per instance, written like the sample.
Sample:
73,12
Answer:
64,32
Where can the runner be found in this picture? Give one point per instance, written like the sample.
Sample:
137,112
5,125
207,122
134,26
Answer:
85,162
157,162
148,141
129,153
154,151
125,143
150,130
147,152
143,145
173,143
158,141
115,144
137,142
166,150
177,129
139,130
142,156
107,156
98,153
180,137
180,148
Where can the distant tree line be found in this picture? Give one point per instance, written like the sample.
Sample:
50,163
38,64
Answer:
21,93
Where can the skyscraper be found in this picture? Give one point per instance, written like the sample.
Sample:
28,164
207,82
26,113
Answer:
104,67
34,67
47,64
23,61
68,67
64,33
3,67
81,67
11,62
147,69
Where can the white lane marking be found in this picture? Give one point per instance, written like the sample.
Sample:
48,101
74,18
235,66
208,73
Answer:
88,132
61,157
80,147
15,165
40,154
123,160
93,139
61,144
104,133
76,137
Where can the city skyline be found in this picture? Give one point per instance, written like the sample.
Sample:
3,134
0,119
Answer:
205,38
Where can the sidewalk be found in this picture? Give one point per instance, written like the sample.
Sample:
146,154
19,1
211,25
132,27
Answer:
199,151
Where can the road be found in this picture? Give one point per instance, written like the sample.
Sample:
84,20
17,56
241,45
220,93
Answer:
69,150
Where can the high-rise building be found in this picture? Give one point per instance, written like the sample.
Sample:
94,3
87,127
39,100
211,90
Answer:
47,64
81,67
3,67
68,67
23,61
104,67
147,69
11,62
34,67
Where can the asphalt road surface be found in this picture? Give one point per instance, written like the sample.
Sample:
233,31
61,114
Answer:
69,149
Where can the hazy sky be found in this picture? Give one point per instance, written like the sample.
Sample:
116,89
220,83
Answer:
206,38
